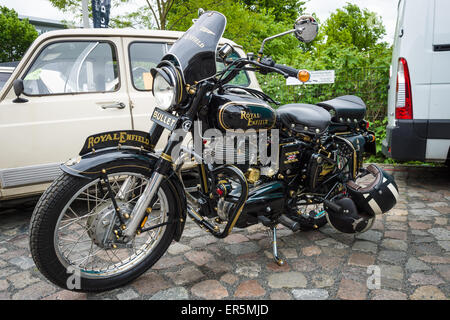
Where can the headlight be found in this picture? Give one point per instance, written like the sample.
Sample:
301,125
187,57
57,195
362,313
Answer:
164,89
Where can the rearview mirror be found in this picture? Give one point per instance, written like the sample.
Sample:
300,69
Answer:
18,90
306,28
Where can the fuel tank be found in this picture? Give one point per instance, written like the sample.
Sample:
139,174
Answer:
240,111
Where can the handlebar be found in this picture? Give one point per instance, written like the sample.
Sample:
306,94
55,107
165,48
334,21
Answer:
292,72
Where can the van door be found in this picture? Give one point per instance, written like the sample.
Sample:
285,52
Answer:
75,87
439,108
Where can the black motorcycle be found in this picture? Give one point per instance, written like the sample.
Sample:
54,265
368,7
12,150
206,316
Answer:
118,206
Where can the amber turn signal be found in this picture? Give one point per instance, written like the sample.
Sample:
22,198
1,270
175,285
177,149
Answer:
303,75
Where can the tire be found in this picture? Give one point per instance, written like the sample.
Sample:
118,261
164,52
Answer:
45,239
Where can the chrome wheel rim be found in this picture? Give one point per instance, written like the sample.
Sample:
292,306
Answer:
73,241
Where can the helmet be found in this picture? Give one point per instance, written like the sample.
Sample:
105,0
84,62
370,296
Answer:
343,216
355,213
379,196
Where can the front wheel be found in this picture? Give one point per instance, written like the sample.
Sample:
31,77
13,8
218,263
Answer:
72,237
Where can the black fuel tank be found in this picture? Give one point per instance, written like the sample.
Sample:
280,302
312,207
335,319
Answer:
240,111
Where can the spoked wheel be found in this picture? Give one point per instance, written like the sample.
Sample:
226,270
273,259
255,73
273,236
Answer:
74,233
310,217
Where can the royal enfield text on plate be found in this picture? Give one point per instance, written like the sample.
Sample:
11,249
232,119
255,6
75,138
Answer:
164,119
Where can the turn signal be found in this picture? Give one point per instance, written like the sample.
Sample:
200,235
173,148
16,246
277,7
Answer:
303,75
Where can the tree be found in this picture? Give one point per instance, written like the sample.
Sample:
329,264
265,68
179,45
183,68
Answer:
287,10
15,35
245,27
353,26
152,13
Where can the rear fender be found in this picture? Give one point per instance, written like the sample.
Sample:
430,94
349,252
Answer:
90,166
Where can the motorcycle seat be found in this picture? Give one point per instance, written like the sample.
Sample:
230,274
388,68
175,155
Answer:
345,109
304,118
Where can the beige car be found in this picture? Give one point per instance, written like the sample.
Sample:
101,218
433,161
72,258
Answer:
76,83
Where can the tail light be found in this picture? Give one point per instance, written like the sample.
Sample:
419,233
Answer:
403,103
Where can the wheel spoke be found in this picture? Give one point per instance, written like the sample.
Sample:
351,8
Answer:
81,222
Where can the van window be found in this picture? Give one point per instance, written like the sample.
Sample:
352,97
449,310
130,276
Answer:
73,67
143,57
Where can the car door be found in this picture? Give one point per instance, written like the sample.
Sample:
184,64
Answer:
75,87
142,54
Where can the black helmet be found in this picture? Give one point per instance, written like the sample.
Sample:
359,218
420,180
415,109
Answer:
355,212
343,216
377,197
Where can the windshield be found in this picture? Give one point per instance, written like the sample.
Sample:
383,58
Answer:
195,51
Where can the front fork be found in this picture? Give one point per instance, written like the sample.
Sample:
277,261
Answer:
162,168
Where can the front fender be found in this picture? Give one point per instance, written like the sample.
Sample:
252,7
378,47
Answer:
91,165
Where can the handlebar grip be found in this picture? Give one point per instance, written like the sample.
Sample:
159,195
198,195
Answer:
292,72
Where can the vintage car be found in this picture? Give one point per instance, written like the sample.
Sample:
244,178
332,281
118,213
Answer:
5,73
76,83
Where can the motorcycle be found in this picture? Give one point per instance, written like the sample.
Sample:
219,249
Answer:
118,206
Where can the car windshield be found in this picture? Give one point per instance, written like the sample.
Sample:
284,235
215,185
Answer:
195,51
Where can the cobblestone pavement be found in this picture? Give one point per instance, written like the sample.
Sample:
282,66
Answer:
410,245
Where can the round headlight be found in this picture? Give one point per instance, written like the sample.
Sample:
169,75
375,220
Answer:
163,91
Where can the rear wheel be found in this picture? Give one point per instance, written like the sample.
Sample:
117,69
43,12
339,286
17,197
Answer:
310,217
72,237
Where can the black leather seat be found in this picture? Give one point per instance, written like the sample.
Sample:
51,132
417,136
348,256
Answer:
345,109
301,117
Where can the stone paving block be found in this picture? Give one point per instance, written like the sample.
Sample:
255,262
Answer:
291,279
428,293
189,274
249,289
150,283
361,259
352,290
424,279
310,294
209,289
383,294
392,257
128,294
414,264
366,246
176,293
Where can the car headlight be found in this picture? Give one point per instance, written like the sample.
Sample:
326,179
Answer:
164,89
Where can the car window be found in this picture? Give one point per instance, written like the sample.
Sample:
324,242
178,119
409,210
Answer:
73,67
143,57
4,76
241,79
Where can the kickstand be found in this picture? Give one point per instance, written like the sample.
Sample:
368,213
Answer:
277,259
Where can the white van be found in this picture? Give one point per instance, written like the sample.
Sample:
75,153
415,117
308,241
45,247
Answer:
77,83
419,95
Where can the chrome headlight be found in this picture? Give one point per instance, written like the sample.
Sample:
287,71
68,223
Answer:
167,86
163,91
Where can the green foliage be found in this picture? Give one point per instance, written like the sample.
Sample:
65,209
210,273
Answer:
15,35
287,10
245,27
353,26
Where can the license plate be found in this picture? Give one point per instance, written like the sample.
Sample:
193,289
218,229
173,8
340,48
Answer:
164,119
